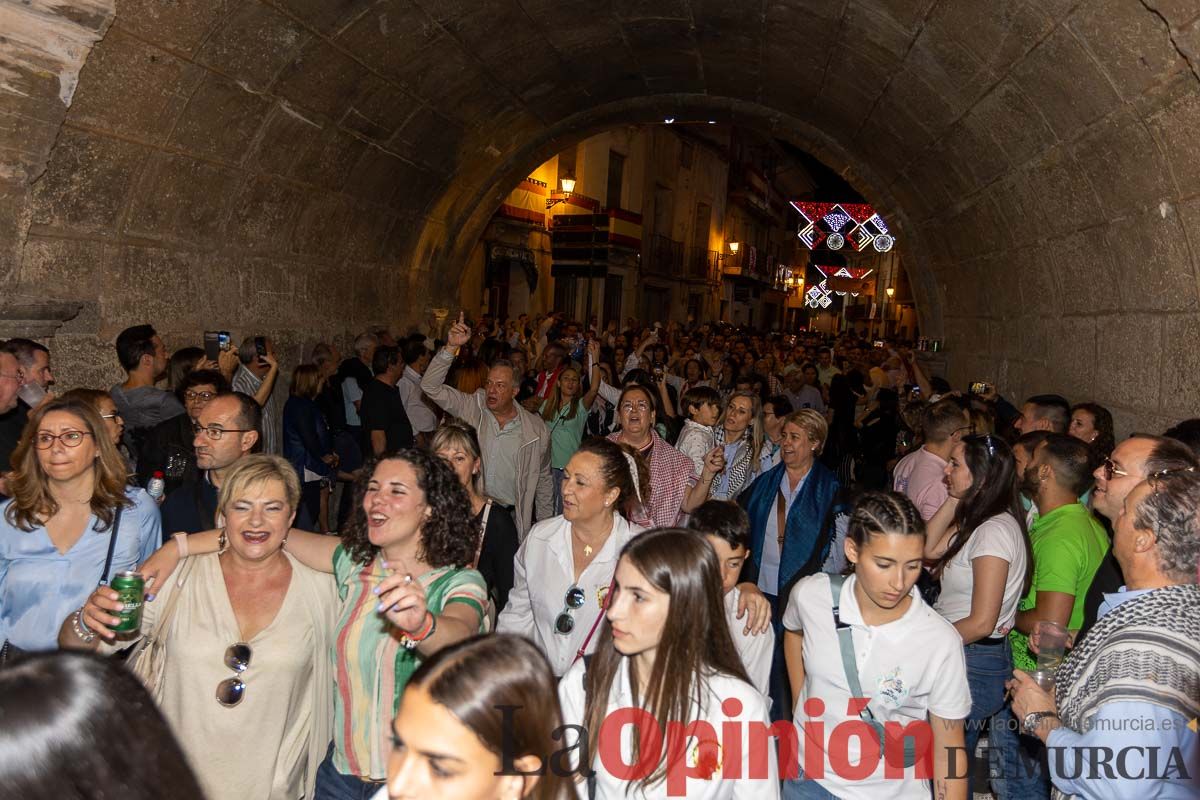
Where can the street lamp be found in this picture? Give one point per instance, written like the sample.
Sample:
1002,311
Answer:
733,247
568,186
891,292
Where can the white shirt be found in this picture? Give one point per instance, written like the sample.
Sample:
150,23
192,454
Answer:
998,536
419,413
543,571
716,689
912,667
756,650
768,570
351,394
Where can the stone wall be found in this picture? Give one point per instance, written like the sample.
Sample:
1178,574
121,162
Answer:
314,165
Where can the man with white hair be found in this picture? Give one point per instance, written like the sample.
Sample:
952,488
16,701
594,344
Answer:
1128,690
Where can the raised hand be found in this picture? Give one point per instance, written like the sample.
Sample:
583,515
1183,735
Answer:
459,333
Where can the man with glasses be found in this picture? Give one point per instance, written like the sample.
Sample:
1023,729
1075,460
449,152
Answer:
225,430
514,443
167,447
919,475
1132,461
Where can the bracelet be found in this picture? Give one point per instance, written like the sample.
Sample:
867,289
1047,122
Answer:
85,634
411,640
182,543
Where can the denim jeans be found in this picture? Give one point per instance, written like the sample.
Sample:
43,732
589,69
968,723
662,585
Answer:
988,667
802,788
1018,762
333,785
779,688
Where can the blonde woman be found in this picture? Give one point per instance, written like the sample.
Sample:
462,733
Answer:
740,435
73,522
247,646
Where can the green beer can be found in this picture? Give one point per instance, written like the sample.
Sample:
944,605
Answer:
131,587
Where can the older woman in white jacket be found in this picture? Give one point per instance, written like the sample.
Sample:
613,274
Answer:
564,569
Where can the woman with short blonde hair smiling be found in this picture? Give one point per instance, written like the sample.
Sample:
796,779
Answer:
246,645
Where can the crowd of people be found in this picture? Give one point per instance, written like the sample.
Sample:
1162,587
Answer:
538,558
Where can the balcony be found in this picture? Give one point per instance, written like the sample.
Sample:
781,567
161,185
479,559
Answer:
703,265
664,257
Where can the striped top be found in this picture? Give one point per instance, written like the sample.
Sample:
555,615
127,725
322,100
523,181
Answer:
372,666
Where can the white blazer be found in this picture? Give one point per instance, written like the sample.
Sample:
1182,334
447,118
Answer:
543,571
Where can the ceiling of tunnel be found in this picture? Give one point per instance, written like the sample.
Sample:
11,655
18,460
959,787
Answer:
370,132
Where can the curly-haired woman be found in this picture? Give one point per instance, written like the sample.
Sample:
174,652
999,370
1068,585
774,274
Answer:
403,595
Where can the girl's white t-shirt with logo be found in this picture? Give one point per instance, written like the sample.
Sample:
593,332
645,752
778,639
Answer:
998,536
911,668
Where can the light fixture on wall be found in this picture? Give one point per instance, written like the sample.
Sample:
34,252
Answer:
733,247
891,292
568,186
568,183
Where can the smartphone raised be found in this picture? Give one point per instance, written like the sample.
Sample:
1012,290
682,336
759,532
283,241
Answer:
215,342
979,387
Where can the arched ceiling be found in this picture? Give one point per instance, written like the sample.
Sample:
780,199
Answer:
331,156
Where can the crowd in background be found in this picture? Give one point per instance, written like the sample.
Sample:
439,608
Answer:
579,519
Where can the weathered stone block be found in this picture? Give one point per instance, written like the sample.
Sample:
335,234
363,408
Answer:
180,27
1122,164
263,215
220,120
1181,361
1061,79
86,183
253,44
1129,360
1155,269
181,199
1130,41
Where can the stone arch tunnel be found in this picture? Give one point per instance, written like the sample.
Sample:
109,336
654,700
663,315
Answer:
311,166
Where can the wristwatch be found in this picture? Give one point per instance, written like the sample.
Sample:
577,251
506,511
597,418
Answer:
1034,718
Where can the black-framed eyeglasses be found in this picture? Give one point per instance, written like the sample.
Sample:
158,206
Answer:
1155,478
205,396
44,440
564,623
1111,470
214,433
231,690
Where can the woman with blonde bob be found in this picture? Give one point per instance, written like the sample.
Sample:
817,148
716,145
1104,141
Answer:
246,646
458,445
72,523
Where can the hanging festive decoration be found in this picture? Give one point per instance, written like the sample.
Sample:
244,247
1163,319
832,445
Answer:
820,295
833,225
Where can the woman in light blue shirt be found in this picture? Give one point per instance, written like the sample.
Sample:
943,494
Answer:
68,487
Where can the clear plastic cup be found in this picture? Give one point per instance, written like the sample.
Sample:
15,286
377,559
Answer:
1043,678
1051,640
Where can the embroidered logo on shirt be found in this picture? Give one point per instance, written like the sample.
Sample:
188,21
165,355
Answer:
890,687
706,762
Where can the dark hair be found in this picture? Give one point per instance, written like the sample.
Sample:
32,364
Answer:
1168,454
724,519
81,726
133,343
940,420
882,512
202,377
412,350
448,536
1030,441
477,678
1188,432
780,405
180,365
249,411
23,350
1054,409
683,565
386,355
1102,421
698,396
307,381
614,468
993,492
1072,460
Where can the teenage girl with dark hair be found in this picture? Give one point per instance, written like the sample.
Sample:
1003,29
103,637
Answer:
667,651
869,634
83,727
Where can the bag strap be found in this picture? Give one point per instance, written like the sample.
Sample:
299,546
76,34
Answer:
112,545
487,512
164,622
603,607
591,776
850,666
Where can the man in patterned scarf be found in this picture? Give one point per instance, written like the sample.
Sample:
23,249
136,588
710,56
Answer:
1129,694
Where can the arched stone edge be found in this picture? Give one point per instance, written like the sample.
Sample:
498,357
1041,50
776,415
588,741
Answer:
444,245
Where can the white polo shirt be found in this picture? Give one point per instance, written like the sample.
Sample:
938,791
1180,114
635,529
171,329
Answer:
911,667
717,689
543,570
756,650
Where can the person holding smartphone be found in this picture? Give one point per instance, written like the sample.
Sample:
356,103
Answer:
255,376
